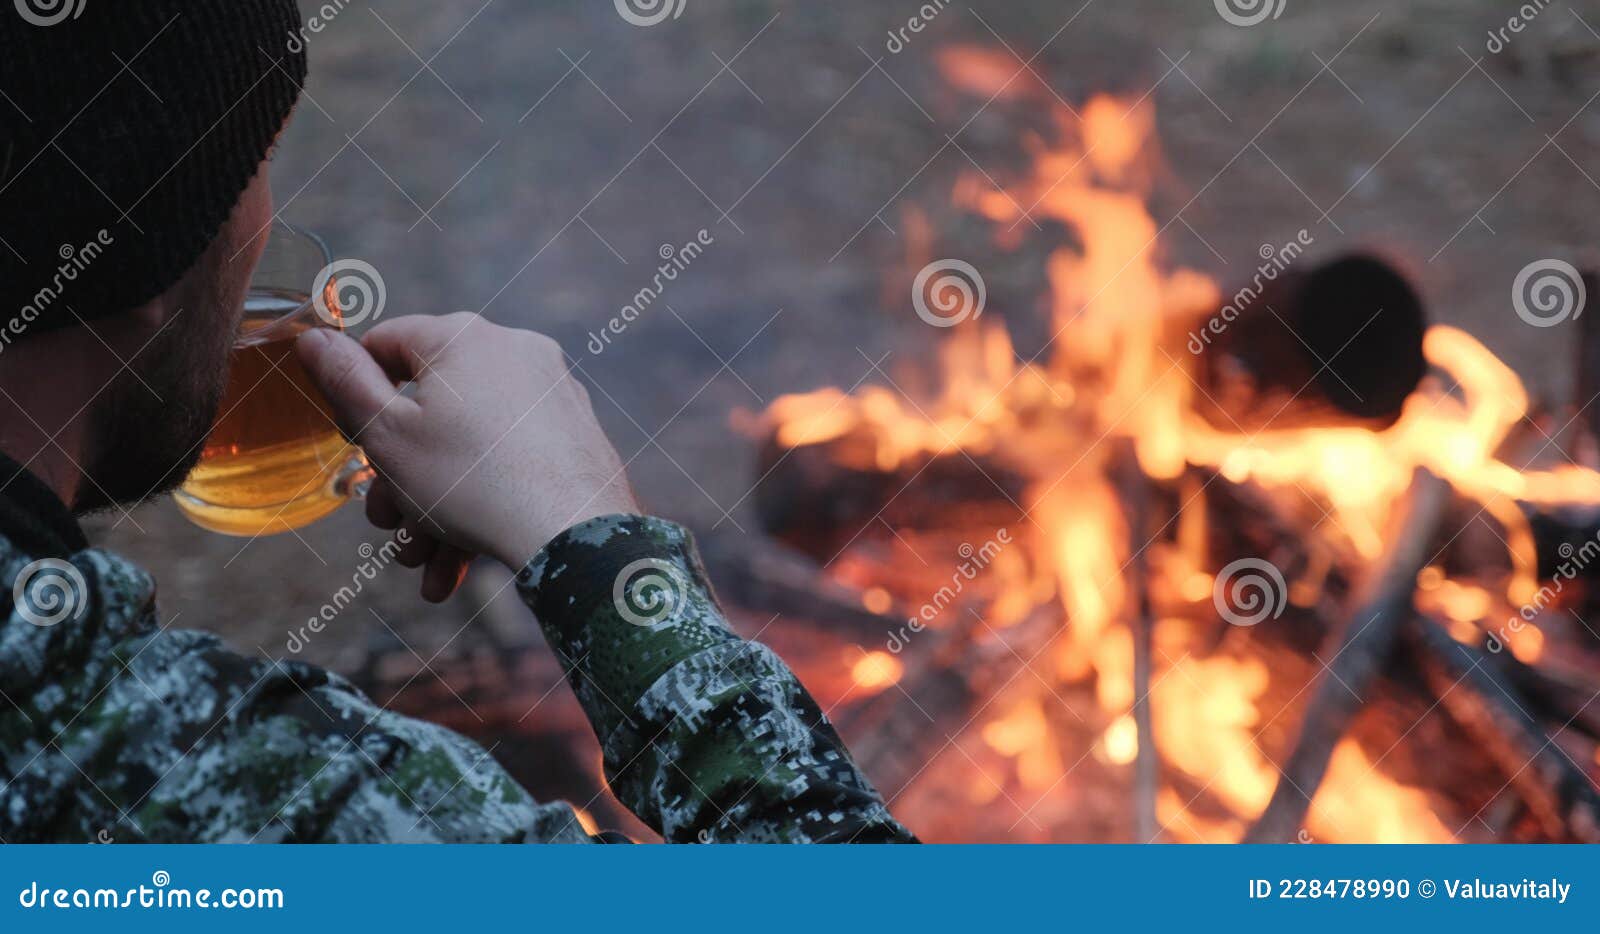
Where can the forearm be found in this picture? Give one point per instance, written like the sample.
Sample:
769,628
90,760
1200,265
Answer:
707,737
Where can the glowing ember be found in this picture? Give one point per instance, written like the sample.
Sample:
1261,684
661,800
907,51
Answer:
876,671
877,600
1121,741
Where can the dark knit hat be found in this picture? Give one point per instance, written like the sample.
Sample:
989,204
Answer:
128,130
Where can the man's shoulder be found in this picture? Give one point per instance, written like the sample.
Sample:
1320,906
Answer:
271,750
83,630
117,720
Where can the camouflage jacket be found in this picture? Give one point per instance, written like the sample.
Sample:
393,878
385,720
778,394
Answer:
112,727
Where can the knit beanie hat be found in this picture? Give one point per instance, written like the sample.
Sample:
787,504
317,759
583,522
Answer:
128,131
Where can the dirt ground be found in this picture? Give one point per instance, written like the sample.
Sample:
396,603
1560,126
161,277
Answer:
529,159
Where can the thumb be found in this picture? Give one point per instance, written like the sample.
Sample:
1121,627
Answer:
350,380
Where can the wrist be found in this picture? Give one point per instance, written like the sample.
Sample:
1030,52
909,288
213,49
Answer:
522,544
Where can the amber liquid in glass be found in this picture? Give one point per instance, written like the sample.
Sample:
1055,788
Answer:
274,461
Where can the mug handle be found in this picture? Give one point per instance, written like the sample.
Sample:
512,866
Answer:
354,479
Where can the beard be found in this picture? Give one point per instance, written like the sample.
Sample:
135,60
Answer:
152,421
149,427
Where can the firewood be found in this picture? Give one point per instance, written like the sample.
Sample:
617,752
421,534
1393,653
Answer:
1474,689
762,576
1355,659
897,733
1339,343
1555,695
813,500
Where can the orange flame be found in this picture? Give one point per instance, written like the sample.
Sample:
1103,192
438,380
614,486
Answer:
1117,370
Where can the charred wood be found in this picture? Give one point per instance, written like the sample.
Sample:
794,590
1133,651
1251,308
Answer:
1474,690
1340,343
814,500
762,576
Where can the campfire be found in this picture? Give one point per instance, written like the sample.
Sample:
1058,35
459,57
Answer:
1275,559
1278,561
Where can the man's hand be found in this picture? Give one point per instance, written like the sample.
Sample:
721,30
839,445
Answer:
496,452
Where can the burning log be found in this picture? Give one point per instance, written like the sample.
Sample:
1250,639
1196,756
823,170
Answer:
1474,690
906,731
902,731
1363,647
760,576
1337,344
814,499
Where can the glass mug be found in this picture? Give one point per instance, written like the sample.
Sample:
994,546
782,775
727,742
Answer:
275,461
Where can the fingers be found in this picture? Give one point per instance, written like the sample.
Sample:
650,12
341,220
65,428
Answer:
383,505
444,566
356,387
404,347
444,573
416,547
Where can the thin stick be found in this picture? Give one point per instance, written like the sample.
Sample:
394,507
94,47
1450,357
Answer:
1359,654
1136,495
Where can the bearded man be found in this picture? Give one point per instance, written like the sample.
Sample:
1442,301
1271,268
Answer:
134,206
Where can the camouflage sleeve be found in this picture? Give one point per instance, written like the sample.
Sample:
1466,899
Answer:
706,737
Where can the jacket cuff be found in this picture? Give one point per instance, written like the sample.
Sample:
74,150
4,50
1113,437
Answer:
622,599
